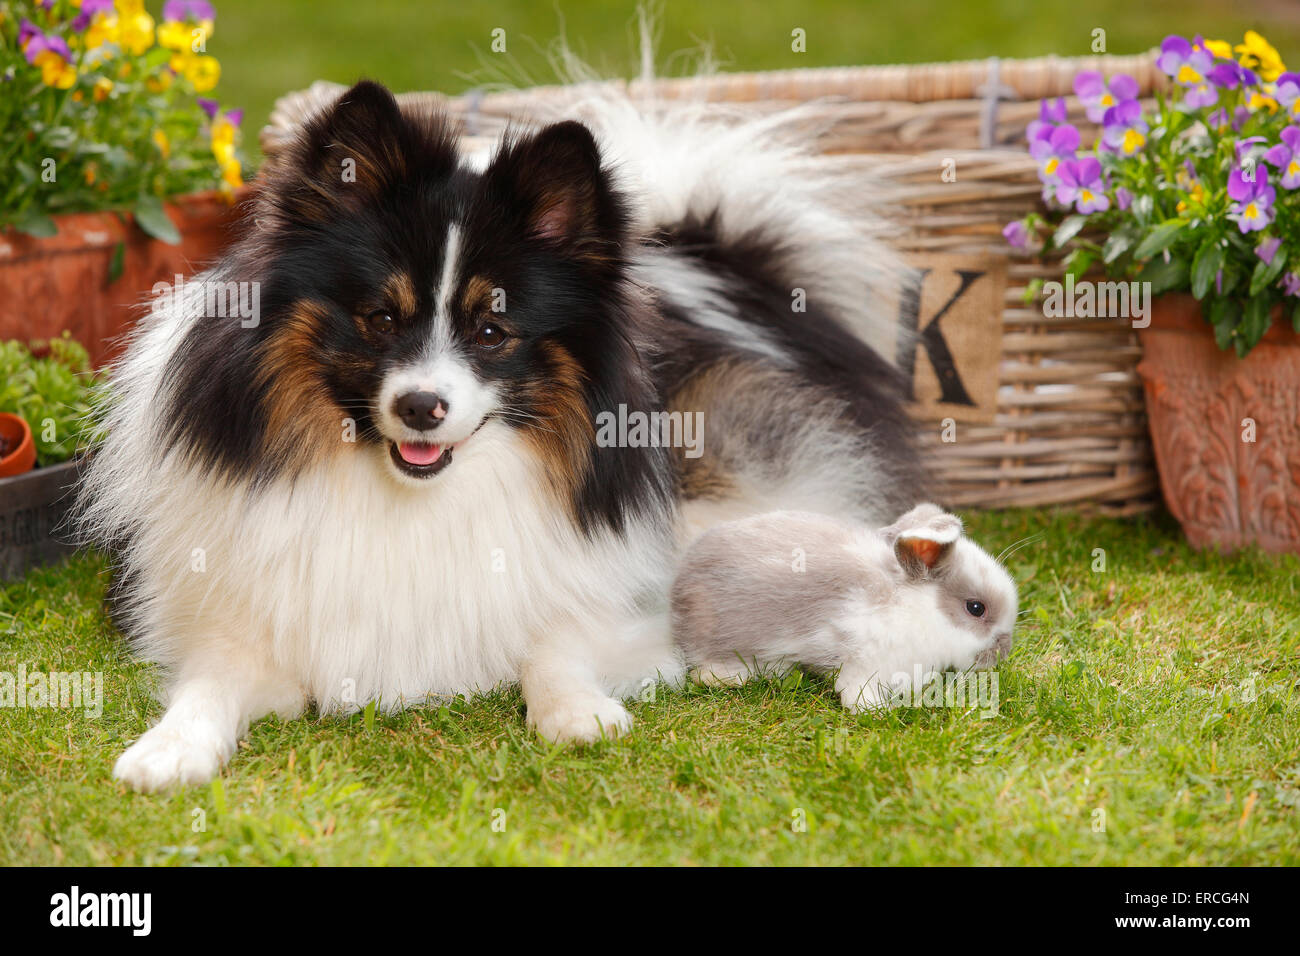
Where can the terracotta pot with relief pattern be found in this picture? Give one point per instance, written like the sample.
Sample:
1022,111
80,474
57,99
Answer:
91,278
1226,430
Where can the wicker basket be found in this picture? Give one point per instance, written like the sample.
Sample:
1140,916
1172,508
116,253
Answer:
1070,426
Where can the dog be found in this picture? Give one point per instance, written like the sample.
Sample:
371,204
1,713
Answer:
403,479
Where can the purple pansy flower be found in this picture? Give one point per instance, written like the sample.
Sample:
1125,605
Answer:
1081,184
46,43
1242,147
88,10
1188,65
1123,198
1253,197
1050,114
1201,96
1124,131
1053,148
1098,96
183,10
1267,249
1290,284
1230,75
1016,234
1285,157
1287,93
213,108
26,32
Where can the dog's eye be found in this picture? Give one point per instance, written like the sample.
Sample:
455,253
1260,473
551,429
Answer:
382,323
489,336
975,608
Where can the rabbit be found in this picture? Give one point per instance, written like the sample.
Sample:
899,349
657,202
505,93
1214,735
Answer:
879,608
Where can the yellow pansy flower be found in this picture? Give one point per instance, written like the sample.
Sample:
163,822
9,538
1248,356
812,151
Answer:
1260,101
1196,194
102,29
230,174
103,86
185,37
135,27
203,71
55,70
1220,48
223,140
160,140
1259,55
160,82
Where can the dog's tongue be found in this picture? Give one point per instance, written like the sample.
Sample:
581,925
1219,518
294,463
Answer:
419,454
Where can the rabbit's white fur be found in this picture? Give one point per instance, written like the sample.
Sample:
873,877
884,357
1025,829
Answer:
880,608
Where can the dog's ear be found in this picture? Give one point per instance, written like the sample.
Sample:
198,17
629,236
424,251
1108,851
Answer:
554,190
344,156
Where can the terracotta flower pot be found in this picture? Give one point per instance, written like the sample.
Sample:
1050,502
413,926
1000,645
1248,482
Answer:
17,450
1226,430
65,281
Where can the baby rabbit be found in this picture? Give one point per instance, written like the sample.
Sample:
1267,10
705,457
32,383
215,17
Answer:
882,607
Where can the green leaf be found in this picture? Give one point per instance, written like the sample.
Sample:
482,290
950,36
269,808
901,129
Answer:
1166,276
1159,239
1225,315
1231,276
1068,229
37,224
152,218
117,263
1078,261
1266,274
1254,323
1032,290
1118,244
1206,265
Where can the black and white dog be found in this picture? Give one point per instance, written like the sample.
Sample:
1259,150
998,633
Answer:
402,480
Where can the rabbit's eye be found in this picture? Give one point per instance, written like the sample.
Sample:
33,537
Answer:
975,608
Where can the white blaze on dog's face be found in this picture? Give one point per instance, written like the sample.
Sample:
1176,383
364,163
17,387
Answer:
431,404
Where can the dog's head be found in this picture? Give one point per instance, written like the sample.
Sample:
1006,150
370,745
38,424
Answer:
408,300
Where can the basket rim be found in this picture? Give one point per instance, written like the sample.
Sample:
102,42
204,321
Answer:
1005,79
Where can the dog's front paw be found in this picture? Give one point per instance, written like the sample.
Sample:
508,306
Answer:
165,758
584,719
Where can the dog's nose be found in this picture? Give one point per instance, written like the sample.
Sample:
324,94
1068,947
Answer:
420,410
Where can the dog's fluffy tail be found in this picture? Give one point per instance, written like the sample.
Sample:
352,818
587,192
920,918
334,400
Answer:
753,179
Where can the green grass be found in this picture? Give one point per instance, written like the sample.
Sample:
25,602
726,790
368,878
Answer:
1162,691
267,49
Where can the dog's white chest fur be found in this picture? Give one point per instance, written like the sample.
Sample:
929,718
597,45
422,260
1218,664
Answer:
362,588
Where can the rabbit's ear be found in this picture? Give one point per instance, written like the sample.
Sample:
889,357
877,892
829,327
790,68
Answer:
924,538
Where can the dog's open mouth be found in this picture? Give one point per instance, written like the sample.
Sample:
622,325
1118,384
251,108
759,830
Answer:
419,460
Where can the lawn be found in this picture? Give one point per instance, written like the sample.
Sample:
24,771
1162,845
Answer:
1149,714
267,49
